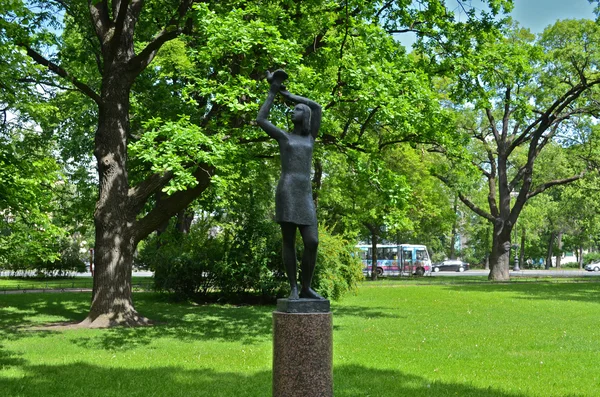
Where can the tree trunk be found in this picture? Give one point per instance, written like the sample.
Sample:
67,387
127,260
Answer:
113,218
374,240
580,257
549,253
522,252
454,228
185,217
500,256
559,244
487,251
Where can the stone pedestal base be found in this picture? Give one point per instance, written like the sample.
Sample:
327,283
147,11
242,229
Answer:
302,354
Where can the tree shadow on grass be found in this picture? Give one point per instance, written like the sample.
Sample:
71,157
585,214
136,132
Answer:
22,311
580,292
365,312
247,324
181,321
96,380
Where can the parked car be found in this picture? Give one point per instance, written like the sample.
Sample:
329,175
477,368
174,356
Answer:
452,265
593,267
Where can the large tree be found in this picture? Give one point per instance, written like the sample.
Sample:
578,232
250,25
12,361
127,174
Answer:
522,95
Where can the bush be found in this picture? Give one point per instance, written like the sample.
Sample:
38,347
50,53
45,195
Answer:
183,264
64,260
242,262
591,257
572,265
338,270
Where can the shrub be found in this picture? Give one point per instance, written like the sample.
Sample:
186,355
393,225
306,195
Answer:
242,261
591,257
182,263
572,265
338,269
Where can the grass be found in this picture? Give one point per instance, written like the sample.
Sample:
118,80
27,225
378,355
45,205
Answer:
391,339
30,283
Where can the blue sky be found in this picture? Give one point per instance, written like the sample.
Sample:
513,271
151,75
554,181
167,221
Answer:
532,14
537,14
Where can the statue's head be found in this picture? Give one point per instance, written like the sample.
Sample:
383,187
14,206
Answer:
301,116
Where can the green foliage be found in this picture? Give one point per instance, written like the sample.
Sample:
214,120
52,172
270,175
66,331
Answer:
32,254
234,263
338,268
28,177
185,264
591,257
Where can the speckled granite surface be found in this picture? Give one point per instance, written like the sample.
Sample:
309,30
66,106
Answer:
302,354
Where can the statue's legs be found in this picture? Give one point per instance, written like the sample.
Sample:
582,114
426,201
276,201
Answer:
288,231
310,238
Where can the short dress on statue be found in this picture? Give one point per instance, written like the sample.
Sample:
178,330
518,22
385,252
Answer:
293,200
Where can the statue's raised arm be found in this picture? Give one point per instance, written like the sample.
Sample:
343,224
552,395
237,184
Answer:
315,110
275,79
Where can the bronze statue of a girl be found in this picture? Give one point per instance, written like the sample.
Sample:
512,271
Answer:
294,206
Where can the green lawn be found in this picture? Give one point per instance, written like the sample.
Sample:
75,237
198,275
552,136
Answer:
391,339
11,283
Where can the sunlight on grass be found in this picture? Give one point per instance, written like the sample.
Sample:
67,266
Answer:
11,284
498,340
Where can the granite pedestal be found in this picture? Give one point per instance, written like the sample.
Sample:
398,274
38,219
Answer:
302,349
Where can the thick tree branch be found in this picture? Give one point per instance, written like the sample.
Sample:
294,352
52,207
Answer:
143,59
517,178
383,8
492,197
171,205
543,187
363,127
346,128
466,201
490,156
507,113
492,121
119,14
84,88
548,117
100,19
172,29
145,189
475,208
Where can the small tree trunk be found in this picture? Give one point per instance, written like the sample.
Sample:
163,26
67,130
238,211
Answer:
559,244
454,228
549,252
374,239
522,253
185,217
487,247
580,257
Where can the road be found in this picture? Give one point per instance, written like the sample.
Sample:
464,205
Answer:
524,273
86,274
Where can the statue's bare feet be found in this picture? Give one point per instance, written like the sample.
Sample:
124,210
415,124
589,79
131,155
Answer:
294,294
310,294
